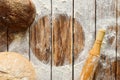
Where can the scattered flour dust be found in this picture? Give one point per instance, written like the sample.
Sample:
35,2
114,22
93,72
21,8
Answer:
65,72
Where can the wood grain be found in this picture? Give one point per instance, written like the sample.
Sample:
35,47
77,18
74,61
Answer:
106,18
79,39
118,40
61,46
84,13
40,39
118,69
118,9
40,43
62,39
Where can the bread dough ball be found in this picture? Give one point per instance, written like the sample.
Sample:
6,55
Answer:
17,15
14,66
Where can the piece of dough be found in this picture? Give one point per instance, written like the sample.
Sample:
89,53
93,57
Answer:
14,66
17,15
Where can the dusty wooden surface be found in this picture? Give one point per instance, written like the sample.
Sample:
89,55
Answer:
48,43
118,41
40,42
85,15
40,39
61,39
106,10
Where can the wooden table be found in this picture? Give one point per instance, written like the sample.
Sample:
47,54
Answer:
58,41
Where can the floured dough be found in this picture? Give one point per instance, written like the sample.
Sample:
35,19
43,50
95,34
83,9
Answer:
14,66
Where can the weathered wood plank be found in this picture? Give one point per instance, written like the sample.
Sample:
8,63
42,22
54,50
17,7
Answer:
84,32
62,40
106,19
118,40
40,40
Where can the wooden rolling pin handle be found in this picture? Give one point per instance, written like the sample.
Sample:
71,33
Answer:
93,58
100,35
96,48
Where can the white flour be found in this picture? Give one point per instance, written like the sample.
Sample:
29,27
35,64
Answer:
86,19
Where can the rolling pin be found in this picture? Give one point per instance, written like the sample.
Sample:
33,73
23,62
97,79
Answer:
93,58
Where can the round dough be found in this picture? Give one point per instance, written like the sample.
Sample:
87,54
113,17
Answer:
17,15
14,66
